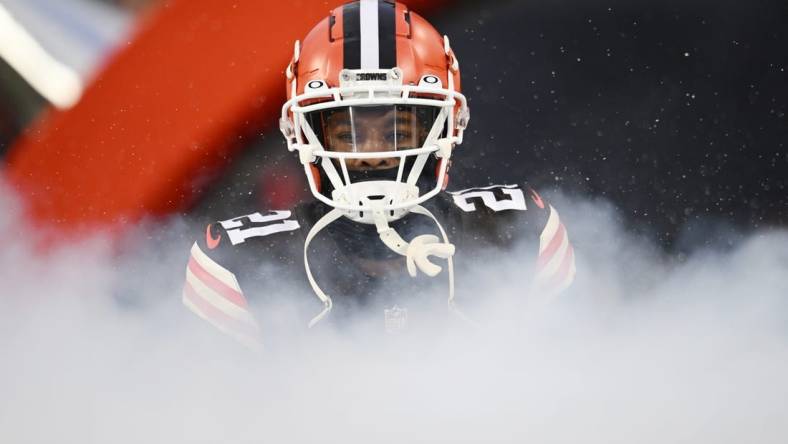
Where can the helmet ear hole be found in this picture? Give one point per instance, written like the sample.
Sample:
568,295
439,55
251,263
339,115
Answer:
316,177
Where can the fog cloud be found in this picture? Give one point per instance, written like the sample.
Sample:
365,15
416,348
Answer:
645,348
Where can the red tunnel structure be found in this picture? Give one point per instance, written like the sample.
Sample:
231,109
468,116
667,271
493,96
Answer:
166,111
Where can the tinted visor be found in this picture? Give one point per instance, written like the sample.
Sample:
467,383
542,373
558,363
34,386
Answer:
360,129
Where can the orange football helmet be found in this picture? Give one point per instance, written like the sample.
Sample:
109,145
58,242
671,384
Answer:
374,81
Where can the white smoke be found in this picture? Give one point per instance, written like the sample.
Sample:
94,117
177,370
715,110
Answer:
644,349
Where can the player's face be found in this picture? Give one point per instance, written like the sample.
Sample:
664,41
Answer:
374,129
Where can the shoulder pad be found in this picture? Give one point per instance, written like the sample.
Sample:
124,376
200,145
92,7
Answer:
242,228
494,197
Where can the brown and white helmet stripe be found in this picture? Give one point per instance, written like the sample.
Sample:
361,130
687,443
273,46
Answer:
369,35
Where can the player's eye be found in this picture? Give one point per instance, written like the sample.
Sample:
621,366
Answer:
345,137
399,136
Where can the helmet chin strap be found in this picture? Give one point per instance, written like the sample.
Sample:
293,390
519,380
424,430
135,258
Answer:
419,249
417,253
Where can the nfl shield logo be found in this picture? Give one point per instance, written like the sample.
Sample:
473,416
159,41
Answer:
396,319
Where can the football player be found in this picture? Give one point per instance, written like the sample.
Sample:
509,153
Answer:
374,113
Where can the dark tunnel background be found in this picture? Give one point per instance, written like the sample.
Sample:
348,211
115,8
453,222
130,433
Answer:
673,111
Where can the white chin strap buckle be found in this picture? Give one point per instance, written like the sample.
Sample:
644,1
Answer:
419,251
416,251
